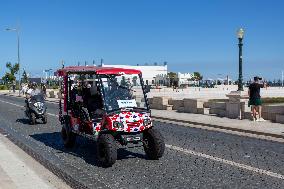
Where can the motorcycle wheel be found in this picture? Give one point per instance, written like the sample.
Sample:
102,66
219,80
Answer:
32,119
44,119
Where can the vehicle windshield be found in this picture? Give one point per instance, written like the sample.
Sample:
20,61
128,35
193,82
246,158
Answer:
37,98
123,91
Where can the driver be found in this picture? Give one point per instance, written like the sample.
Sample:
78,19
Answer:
31,92
95,104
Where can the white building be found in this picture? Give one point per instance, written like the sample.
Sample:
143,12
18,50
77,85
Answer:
149,72
184,79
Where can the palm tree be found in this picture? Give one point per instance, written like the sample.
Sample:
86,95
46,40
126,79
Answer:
173,77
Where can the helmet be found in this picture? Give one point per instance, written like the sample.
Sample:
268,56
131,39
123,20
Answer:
34,84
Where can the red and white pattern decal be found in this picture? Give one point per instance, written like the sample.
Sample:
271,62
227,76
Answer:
131,121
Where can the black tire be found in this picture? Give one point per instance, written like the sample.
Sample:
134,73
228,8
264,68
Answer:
68,137
153,143
44,119
32,119
106,150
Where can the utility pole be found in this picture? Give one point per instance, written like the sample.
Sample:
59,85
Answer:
240,80
17,30
282,78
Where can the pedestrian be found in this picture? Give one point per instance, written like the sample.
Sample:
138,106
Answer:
43,88
14,87
255,98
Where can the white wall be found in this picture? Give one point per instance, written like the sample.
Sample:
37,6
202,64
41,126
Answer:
183,78
148,72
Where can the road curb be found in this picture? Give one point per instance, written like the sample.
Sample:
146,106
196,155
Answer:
42,160
222,127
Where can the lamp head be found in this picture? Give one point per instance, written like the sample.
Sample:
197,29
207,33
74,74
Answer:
240,33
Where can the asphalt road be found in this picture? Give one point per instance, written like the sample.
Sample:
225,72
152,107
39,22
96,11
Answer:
194,158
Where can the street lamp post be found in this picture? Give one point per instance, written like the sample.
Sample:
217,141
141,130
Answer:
240,35
18,45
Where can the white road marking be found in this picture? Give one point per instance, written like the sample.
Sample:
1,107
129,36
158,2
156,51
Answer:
52,114
24,106
12,104
228,162
213,158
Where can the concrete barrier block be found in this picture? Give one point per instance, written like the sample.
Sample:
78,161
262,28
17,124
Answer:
177,103
161,107
188,109
180,109
193,103
248,115
269,116
59,95
206,111
221,113
218,105
138,99
161,100
213,111
279,118
232,110
207,104
51,94
203,111
273,109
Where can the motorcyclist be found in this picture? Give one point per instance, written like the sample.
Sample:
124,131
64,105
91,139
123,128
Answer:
31,92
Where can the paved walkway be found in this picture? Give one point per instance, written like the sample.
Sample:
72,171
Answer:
262,128
18,170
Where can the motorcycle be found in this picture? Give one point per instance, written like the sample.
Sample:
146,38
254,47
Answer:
36,109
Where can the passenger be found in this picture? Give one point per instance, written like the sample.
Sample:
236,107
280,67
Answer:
95,104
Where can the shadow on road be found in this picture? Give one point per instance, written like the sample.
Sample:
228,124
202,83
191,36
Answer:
84,148
23,121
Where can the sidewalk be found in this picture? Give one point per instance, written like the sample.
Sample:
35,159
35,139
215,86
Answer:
18,170
262,128
266,128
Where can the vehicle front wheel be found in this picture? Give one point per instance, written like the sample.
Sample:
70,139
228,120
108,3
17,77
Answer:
68,136
44,119
32,119
153,143
106,150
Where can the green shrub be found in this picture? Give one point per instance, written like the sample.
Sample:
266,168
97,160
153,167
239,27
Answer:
55,87
3,87
273,100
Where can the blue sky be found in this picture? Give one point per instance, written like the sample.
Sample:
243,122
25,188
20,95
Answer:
190,35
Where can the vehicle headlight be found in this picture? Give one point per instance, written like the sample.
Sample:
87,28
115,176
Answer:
147,122
117,125
38,105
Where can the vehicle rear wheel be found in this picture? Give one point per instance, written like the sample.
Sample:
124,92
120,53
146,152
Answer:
32,118
68,136
153,143
44,119
106,150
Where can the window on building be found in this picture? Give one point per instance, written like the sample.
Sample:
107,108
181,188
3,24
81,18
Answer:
147,82
153,82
